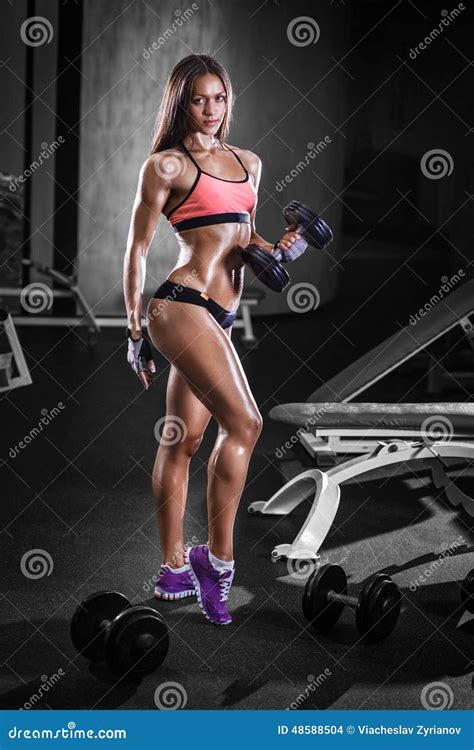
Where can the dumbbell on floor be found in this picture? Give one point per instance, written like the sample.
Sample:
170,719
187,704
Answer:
377,607
132,640
267,266
467,592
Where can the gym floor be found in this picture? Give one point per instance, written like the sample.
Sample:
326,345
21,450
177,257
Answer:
80,492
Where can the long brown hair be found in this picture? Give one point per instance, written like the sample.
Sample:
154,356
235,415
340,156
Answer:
172,123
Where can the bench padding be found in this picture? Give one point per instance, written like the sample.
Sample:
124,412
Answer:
457,417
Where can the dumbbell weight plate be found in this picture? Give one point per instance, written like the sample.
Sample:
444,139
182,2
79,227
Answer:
324,614
137,643
86,631
467,592
383,610
362,611
266,268
313,228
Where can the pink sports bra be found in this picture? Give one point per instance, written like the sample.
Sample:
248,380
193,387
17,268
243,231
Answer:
209,202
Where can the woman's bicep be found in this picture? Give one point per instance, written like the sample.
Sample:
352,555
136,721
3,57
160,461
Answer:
153,191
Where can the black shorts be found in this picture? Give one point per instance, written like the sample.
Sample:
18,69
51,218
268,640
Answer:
179,293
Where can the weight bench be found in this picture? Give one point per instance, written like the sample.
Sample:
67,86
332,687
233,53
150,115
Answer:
414,429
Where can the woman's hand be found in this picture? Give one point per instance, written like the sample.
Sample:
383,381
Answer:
288,238
140,358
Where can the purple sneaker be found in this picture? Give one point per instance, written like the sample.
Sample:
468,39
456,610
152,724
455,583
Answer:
171,585
211,585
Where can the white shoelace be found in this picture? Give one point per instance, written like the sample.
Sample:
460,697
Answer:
225,584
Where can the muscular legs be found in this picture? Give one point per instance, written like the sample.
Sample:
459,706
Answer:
206,379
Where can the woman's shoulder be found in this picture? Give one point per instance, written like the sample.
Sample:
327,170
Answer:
166,164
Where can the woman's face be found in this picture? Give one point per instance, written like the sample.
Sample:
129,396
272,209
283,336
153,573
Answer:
208,104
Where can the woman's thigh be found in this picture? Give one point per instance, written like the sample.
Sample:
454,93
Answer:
205,358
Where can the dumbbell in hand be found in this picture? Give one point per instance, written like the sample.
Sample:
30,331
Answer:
267,266
132,640
377,607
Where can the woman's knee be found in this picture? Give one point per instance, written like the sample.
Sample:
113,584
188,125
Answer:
246,427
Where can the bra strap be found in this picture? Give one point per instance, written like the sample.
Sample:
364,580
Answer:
236,156
191,157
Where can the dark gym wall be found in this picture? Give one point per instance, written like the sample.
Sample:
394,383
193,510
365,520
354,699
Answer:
121,90
16,154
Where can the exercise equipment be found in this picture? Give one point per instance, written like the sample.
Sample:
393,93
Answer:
467,592
14,358
456,309
267,266
418,420
132,640
377,608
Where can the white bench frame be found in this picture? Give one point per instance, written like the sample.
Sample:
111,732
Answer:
327,491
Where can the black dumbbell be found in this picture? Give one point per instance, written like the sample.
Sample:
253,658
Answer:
377,606
132,640
467,592
267,266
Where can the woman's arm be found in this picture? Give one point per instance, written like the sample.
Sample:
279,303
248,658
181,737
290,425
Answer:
152,194
255,169
287,239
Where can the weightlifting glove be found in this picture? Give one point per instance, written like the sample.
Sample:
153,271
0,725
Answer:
140,356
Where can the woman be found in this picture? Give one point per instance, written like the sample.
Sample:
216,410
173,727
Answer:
208,192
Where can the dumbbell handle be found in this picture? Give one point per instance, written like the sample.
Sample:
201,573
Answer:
279,254
350,601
